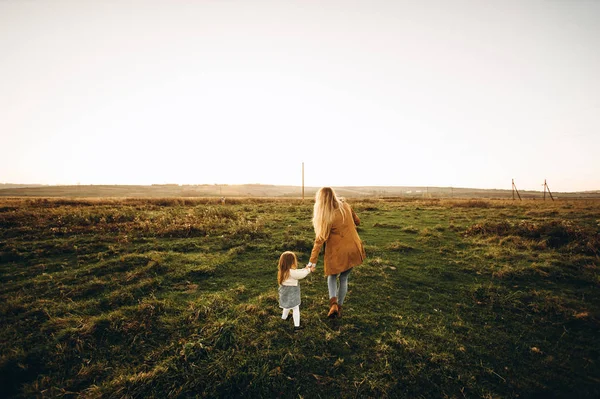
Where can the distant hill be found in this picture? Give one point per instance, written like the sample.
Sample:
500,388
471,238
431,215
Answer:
263,190
10,185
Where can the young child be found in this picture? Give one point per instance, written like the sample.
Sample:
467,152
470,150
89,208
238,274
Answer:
289,288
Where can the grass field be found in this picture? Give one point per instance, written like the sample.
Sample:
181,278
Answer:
178,298
269,191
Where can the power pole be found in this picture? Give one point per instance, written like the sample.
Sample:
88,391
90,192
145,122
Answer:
302,181
514,188
547,188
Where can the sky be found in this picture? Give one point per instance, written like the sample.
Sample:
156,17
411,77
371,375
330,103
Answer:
379,93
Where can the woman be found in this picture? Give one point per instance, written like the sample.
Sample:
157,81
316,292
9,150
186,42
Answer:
335,224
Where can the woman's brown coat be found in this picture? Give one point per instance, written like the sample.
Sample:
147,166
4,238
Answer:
343,247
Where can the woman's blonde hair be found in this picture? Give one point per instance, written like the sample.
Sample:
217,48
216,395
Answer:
326,204
287,261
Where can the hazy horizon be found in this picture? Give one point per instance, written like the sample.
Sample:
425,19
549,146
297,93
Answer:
385,93
292,185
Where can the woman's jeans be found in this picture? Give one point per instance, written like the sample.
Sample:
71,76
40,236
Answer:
340,292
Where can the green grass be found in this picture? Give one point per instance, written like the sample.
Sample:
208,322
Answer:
178,298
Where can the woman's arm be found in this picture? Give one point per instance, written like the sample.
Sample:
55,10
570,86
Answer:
314,255
355,217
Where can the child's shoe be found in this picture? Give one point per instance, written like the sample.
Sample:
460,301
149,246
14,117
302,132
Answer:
299,328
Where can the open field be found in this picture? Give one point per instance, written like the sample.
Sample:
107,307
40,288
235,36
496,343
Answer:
177,298
267,190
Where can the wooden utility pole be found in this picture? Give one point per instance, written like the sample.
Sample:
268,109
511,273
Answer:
302,181
514,188
547,188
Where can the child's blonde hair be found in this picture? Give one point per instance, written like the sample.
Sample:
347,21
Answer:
326,203
287,261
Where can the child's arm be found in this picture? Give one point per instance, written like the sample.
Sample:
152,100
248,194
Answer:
299,274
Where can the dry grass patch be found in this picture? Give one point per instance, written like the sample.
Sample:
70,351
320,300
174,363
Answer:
398,246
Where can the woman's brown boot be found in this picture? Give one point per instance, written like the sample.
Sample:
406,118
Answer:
333,308
339,311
